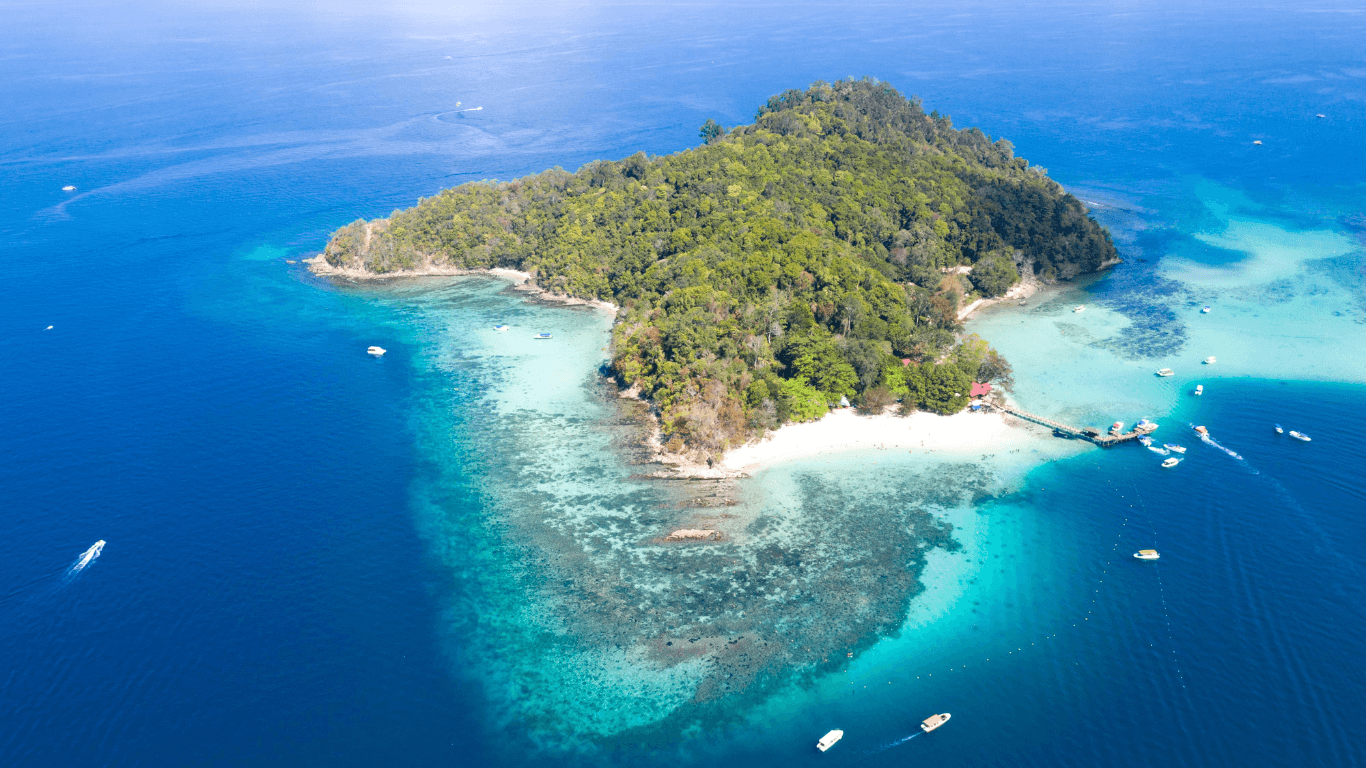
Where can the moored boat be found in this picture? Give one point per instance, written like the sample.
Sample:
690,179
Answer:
1117,427
377,351
1147,554
541,336
1169,463
1211,360
1300,436
934,721
500,328
1199,389
828,740
1205,311
1165,372
1080,308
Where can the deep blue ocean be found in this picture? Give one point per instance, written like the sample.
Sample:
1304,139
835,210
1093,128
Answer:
285,580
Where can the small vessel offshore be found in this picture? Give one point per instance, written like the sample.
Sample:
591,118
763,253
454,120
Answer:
1079,308
1165,372
377,351
1199,389
934,721
1258,142
68,188
828,740
1320,116
1300,436
1279,429
541,336
500,328
1174,448
1211,360
1205,311
1203,432
1147,554
1169,463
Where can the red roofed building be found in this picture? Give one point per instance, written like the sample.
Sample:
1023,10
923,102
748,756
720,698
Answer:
979,390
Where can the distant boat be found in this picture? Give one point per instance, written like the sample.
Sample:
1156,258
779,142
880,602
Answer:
1205,311
541,336
1211,360
1203,432
500,327
1320,116
1080,308
1174,448
48,328
1258,142
1169,463
1199,389
1147,554
1279,429
1165,372
377,351
68,188
934,721
828,740
1299,436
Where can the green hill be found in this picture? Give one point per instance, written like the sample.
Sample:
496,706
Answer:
779,267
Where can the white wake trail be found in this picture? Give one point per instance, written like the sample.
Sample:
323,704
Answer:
87,557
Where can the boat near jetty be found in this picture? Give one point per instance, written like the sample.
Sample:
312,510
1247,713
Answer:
934,721
1147,554
828,740
1165,372
376,351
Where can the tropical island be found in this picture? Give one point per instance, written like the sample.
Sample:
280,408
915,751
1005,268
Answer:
817,256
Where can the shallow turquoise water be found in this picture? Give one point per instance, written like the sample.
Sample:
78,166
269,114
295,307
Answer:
449,554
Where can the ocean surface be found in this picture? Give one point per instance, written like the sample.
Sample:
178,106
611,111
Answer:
450,555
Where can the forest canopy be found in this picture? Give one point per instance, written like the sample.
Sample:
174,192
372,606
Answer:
820,253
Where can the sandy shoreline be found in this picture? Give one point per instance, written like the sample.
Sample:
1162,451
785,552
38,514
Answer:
522,280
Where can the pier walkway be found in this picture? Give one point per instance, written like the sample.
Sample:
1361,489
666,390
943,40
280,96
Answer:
1094,435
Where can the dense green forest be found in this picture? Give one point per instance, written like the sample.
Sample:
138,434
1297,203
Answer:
779,267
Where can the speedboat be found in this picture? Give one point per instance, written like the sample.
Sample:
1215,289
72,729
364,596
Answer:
1146,426
1320,116
1165,372
1174,448
1199,389
500,327
377,351
68,188
1258,142
1205,311
1169,463
1080,308
1117,427
828,740
1147,554
1299,436
934,721
541,336
1146,441
1210,360
1203,432
1280,430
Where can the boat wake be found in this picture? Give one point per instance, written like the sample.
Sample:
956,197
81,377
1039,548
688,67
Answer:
1207,440
87,557
889,745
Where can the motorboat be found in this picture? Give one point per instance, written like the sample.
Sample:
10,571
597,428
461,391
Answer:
1145,426
1199,389
934,721
1205,310
1320,116
1165,372
377,351
1117,427
1146,441
1079,308
1174,448
541,336
68,188
1169,463
828,740
1210,360
1202,431
1147,554
500,328
1258,142
1279,429
1300,436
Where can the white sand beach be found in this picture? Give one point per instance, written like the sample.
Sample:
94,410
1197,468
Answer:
845,430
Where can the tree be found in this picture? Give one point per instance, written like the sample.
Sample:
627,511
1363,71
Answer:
802,401
711,131
994,275
996,369
946,389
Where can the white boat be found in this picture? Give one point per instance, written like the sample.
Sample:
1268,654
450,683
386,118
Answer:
828,740
1146,441
1205,310
934,721
1199,389
48,328
68,188
1145,426
1165,372
1174,448
541,336
1210,360
1300,436
1258,142
1280,430
1080,308
1169,463
1117,427
1320,116
1147,554
377,351
500,327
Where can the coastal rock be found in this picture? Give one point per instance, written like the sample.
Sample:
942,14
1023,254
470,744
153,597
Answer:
694,534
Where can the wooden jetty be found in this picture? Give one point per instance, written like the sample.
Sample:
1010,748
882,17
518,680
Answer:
1094,435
